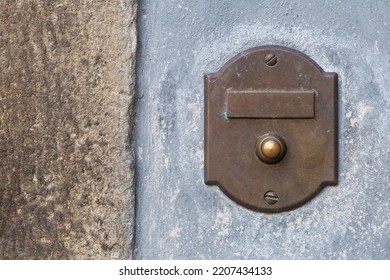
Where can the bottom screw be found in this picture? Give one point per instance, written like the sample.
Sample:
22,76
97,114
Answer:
271,197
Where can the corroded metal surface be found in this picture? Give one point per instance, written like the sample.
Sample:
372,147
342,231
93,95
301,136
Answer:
291,98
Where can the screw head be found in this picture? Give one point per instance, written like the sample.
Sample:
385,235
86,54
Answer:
270,148
270,59
271,197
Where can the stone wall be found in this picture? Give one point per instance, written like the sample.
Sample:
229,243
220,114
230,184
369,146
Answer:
66,117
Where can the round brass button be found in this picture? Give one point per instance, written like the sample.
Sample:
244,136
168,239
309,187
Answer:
270,148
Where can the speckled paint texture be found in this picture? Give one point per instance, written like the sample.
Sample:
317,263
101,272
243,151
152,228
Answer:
178,216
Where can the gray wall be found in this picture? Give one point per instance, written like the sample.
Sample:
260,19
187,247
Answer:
178,217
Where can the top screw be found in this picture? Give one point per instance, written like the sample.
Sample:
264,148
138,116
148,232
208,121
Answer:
270,59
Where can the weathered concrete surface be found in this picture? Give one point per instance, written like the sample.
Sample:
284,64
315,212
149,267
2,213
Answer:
66,95
178,217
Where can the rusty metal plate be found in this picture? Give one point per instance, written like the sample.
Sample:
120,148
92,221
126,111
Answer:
271,128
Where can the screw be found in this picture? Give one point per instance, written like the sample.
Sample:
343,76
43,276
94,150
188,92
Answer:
271,197
270,59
